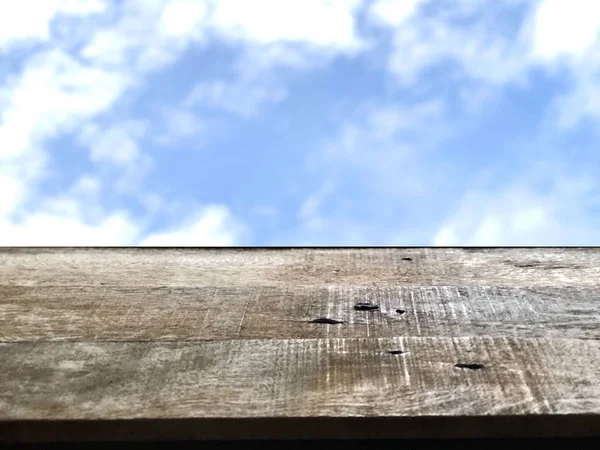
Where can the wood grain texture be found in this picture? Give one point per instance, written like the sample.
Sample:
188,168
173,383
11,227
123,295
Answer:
133,343
299,379
116,313
519,267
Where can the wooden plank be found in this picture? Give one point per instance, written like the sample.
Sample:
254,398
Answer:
119,313
518,267
221,382
133,343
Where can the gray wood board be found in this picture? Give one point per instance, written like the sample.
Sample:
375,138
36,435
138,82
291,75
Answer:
120,313
303,378
519,267
134,343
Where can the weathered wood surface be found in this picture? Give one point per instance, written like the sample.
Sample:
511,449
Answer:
219,343
121,313
519,267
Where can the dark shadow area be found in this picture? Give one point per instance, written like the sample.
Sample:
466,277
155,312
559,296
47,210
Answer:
379,444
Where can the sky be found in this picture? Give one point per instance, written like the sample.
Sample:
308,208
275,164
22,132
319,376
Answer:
299,122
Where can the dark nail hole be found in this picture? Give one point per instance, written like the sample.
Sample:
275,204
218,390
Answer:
469,366
365,306
400,311
326,320
406,259
396,352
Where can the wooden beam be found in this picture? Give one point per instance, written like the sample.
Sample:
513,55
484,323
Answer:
306,378
133,343
122,313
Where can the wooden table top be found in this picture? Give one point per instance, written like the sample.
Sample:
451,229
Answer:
242,343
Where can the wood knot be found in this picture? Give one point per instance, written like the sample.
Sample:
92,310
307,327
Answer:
396,352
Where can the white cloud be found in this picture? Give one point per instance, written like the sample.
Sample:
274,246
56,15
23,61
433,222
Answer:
87,186
393,12
471,35
12,192
567,35
141,40
380,166
566,28
388,150
108,47
242,97
53,94
151,34
46,229
322,23
30,20
181,124
213,225
115,146
477,51
56,93
73,218
522,215
131,179
310,215
476,44
182,17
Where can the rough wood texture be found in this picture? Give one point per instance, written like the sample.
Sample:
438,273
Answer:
66,313
218,343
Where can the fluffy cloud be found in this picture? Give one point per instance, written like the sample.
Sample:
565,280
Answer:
12,193
53,94
394,12
387,149
28,21
57,93
477,45
384,163
567,35
523,215
180,123
379,172
72,218
243,97
467,34
44,229
182,18
115,146
322,23
565,28
213,225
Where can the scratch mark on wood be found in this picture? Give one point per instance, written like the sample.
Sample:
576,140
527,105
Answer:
412,299
239,331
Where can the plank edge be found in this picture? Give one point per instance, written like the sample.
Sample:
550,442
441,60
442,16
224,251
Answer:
425,427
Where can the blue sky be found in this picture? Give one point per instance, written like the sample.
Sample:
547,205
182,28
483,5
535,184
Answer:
300,122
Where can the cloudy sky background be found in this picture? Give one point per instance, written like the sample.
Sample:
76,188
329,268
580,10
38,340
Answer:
299,122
